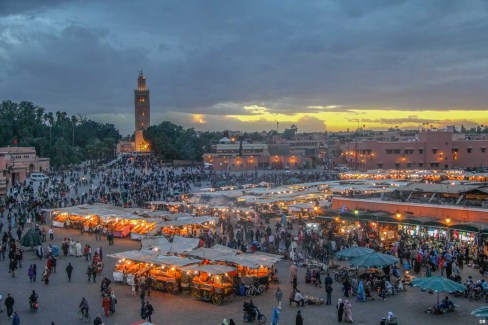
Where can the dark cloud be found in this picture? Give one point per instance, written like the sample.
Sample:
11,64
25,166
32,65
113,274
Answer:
215,57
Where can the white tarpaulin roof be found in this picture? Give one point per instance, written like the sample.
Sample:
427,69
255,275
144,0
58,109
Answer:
212,269
214,253
148,243
252,260
144,256
178,245
148,256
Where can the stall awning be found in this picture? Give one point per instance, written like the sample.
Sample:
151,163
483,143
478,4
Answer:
212,269
251,260
214,253
163,246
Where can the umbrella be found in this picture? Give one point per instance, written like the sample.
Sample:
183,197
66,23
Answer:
31,238
354,252
374,260
437,284
480,312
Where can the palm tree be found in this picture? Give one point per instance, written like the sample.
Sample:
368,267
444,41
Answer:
74,122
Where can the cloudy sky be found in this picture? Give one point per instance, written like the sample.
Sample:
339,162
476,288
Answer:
248,64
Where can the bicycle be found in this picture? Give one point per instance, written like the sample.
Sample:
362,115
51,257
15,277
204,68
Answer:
84,316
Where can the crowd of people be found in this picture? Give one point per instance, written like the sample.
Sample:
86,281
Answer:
132,180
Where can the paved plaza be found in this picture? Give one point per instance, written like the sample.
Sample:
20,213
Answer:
59,300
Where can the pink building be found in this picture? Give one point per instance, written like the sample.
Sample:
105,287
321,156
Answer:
429,150
17,163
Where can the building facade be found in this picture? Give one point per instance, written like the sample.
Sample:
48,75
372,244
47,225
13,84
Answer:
142,113
230,156
17,163
429,150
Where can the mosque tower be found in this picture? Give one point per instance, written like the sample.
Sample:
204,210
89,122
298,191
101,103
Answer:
142,110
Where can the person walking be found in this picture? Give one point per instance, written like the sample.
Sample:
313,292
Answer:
340,310
94,273
69,271
45,276
9,303
34,272
113,301
12,267
89,272
299,318
30,273
328,291
106,304
295,283
279,297
149,311
16,319
347,312
346,287
293,272
51,233
275,316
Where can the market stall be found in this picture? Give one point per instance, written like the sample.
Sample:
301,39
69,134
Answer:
215,283
145,228
188,226
168,274
131,263
121,226
254,269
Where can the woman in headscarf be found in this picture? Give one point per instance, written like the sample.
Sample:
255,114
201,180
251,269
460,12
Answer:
340,309
347,312
275,316
361,296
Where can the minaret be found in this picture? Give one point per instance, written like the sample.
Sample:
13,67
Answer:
142,113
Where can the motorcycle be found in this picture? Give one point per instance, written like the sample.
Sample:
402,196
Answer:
34,305
252,313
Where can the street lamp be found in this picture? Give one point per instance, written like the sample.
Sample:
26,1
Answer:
448,221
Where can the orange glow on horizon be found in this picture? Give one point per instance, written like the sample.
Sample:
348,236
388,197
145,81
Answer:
371,119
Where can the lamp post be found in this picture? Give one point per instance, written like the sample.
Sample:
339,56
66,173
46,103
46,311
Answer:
448,221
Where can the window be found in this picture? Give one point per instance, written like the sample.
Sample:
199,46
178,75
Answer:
380,166
469,150
434,165
446,166
434,151
409,165
397,151
455,150
397,166
483,149
408,151
389,151
421,165
421,151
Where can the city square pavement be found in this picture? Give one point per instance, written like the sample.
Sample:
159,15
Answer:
59,300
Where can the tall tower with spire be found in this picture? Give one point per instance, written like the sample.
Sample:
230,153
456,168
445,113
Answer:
142,113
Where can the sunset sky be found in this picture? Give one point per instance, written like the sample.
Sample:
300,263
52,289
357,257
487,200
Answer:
245,65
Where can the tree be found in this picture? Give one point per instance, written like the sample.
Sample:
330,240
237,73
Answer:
30,125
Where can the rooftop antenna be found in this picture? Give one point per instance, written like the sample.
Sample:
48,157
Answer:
277,127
